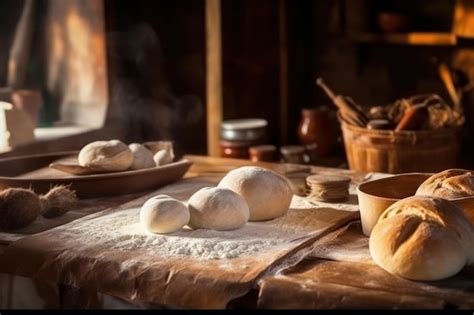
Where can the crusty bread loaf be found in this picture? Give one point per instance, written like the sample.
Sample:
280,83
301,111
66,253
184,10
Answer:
110,156
449,184
422,238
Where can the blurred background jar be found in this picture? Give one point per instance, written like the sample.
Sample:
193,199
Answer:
263,153
238,135
315,131
294,154
234,149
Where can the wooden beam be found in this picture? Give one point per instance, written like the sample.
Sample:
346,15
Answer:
283,43
213,75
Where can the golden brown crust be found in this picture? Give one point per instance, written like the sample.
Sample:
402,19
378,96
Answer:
422,238
449,184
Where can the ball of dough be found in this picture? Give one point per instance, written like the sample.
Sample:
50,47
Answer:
267,193
155,146
109,156
18,208
162,157
217,209
163,214
142,157
449,184
422,238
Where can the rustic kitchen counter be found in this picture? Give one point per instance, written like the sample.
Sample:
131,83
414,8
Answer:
324,263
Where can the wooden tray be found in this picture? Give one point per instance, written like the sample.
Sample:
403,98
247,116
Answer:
34,171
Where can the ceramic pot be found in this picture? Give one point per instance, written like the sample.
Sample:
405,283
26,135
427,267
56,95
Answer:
315,130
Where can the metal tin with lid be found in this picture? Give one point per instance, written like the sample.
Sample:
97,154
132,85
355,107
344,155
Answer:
249,129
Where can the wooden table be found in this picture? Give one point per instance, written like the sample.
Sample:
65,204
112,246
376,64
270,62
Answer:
315,283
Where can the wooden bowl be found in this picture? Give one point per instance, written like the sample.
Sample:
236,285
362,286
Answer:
377,195
33,171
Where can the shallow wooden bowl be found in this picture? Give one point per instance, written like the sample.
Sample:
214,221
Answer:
377,195
34,171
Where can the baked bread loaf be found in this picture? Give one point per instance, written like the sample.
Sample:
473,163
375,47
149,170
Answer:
422,238
449,184
106,156
267,193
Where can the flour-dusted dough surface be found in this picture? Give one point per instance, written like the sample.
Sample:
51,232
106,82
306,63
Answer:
113,155
163,214
267,193
217,209
122,231
142,157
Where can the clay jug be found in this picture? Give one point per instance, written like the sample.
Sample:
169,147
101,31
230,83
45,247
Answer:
315,130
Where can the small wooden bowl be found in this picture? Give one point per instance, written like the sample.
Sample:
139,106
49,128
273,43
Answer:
377,195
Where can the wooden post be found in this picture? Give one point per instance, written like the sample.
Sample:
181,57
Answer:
213,75
282,22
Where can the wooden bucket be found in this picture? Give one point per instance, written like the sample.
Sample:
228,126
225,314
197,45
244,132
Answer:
401,152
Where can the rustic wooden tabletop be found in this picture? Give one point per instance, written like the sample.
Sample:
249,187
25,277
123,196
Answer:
321,280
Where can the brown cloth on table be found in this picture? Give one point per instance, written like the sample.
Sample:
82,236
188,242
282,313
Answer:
352,280
141,271
82,209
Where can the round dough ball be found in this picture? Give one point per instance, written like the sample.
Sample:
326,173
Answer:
107,156
163,214
217,209
18,208
163,157
449,184
142,157
422,238
267,193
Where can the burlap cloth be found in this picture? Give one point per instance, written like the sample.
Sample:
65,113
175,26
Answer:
111,253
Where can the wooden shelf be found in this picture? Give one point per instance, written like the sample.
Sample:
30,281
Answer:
414,38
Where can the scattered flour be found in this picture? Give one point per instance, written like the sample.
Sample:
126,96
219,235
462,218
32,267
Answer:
122,231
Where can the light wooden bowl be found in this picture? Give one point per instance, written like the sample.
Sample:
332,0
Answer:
377,195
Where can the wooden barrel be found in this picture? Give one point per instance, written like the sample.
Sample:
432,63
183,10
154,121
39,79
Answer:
401,152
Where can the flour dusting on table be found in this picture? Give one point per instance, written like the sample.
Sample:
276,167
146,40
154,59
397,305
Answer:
122,231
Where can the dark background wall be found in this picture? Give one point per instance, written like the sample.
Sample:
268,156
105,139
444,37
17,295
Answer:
158,55
156,52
